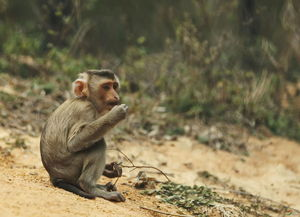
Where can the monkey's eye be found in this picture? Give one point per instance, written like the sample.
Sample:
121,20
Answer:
106,87
115,86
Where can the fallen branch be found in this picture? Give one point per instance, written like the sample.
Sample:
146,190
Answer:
140,167
157,172
164,213
147,167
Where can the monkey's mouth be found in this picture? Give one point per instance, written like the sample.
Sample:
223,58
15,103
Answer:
113,103
110,105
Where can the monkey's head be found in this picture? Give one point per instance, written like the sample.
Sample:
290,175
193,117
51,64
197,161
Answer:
100,87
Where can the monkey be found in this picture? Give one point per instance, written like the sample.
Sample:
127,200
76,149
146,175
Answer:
72,143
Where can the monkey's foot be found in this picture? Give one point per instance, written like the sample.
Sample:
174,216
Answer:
114,196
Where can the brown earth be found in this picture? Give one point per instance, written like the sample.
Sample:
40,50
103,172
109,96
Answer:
271,171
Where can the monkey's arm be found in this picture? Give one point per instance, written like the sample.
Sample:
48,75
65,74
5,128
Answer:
92,132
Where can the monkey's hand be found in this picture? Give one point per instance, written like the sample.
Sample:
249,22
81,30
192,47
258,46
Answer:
110,187
112,170
107,187
118,112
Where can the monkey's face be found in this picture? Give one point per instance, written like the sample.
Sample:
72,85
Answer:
100,87
108,95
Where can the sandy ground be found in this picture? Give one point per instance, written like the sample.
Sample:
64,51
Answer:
272,171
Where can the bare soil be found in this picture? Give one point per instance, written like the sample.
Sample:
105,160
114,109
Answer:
272,170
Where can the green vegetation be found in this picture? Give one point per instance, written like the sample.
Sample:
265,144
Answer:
203,201
233,61
186,197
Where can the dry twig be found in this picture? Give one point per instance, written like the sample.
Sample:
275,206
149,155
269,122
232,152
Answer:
116,181
140,167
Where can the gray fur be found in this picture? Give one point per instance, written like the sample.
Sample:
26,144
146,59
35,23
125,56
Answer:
73,146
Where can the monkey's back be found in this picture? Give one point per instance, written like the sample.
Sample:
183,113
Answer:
67,119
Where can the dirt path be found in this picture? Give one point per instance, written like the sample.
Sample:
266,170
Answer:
272,170
26,191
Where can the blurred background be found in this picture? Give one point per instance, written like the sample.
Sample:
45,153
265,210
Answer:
197,61
199,76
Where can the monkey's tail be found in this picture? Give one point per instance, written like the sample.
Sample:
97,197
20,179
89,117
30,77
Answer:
72,188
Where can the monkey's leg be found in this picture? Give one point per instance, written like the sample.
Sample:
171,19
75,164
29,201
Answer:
92,171
98,192
59,183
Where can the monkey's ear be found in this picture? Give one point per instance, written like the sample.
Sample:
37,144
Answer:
80,88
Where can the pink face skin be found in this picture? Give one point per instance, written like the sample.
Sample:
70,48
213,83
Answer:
108,90
103,93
